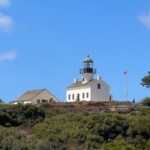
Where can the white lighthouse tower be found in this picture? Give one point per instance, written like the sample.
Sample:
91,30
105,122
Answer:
89,88
88,71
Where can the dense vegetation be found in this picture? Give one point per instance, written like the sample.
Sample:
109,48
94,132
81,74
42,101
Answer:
146,101
26,127
15,115
146,80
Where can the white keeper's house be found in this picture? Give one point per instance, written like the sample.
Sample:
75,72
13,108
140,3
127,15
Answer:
89,89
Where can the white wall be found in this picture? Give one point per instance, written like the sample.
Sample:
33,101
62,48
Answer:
79,91
95,94
87,77
22,102
27,102
15,103
102,94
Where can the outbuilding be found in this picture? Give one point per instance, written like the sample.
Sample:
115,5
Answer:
36,97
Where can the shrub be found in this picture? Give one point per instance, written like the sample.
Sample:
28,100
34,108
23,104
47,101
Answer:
15,115
146,101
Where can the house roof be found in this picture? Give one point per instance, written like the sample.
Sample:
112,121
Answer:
80,84
27,96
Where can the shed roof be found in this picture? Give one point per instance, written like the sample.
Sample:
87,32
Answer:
29,95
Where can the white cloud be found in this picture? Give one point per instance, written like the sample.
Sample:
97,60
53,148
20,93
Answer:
145,19
5,3
11,55
6,22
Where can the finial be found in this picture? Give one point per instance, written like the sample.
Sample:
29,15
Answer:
88,56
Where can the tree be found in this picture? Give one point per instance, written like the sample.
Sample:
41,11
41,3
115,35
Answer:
146,80
1,102
146,101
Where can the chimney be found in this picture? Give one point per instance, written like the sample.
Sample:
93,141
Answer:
98,77
75,80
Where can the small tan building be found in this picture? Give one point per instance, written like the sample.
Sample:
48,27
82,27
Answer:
36,97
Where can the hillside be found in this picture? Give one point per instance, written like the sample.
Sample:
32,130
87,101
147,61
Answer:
76,126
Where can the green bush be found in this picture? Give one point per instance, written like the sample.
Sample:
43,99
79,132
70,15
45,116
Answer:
146,101
15,115
59,129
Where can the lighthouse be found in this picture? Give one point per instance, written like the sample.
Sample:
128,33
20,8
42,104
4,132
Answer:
87,71
88,88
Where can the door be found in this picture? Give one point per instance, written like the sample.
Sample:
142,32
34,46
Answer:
78,97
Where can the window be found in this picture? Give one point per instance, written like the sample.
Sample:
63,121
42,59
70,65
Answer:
98,86
38,101
110,98
78,97
69,96
83,79
87,95
72,96
44,101
82,95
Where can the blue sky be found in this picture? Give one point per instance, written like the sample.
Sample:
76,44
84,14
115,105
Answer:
43,43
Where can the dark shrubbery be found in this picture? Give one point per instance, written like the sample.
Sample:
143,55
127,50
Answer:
96,131
146,101
63,129
15,115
